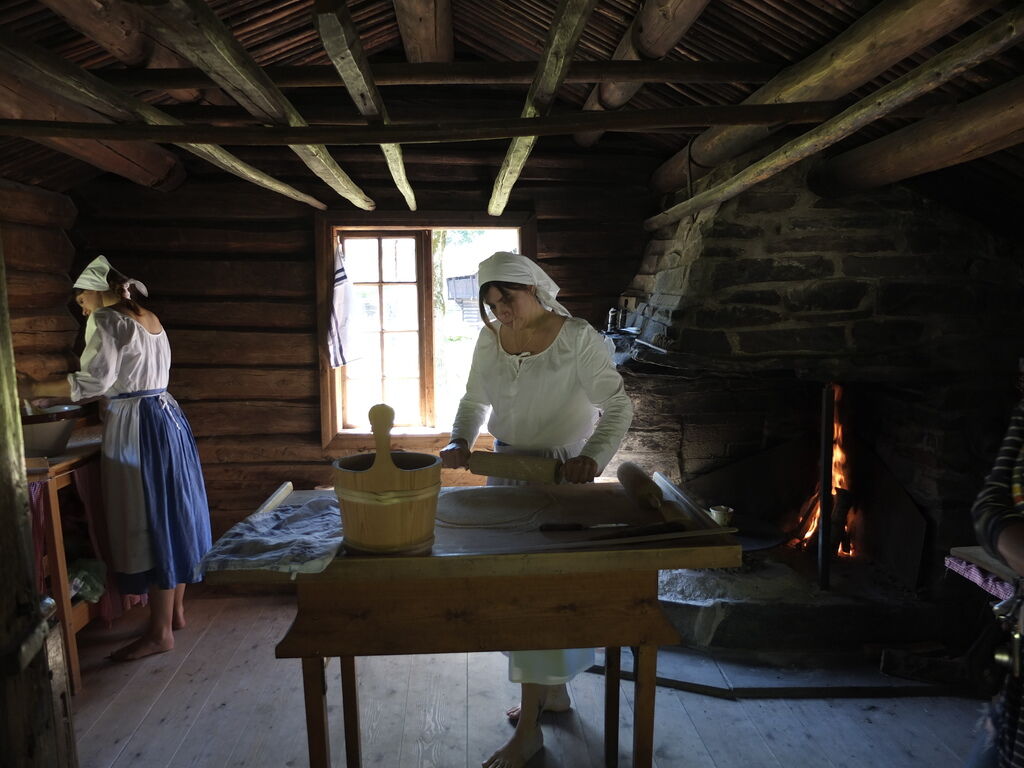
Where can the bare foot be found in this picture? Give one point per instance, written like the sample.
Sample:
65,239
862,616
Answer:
556,699
142,647
178,620
517,751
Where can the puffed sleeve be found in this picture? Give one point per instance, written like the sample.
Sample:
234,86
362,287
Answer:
597,376
994,508
475,404
100,358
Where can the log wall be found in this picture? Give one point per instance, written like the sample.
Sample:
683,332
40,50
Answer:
230,269
38,255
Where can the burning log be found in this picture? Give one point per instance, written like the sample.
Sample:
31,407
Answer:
841,506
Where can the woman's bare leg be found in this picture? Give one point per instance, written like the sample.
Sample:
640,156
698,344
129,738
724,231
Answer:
178,617
556,699
159,635
527,739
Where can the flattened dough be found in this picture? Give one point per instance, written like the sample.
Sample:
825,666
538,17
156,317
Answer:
492,507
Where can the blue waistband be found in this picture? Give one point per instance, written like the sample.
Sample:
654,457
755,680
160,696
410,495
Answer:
140,393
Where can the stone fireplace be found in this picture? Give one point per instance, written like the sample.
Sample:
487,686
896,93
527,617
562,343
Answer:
747,313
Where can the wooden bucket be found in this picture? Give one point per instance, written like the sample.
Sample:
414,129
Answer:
388,499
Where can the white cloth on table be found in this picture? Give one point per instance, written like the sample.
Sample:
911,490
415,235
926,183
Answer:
550,399
293,538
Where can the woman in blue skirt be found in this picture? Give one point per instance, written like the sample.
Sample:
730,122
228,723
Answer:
153,490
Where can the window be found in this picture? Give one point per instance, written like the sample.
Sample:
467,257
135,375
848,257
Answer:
413,319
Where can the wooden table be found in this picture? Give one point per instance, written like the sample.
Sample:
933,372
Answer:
57,472
475,592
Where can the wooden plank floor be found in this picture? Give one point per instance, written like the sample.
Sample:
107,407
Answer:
221,699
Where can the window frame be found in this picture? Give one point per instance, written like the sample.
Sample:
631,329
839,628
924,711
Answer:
334,438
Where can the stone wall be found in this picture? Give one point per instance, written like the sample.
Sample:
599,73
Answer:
874,286
745,310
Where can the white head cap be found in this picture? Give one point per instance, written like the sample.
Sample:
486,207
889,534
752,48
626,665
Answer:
513,268
94,277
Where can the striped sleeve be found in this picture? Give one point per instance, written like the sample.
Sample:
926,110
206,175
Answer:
994,509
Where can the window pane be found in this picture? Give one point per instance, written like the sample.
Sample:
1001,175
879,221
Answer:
365,309
361,259
360,397
401,310
367,366
398,259
404,396
401,354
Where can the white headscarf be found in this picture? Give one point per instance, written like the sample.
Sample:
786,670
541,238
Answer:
513,268
94,278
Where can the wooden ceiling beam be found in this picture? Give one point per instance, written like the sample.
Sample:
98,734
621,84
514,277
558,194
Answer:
57,75
426,29
195,31
658,26
954,61
341,41
461,73
876,42
416,111
118,28
145,164
570,19
985,124
644,121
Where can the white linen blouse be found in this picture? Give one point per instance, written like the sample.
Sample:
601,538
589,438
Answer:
120,356
565,394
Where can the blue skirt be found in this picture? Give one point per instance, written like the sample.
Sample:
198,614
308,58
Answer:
173,493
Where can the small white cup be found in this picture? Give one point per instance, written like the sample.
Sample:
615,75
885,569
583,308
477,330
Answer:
721,514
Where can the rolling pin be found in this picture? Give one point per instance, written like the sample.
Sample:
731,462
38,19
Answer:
535,469
645,493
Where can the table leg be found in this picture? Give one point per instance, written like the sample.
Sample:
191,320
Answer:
314,686
643,705
612,669
59,586
350,710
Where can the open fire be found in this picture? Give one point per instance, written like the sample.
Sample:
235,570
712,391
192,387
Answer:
842,499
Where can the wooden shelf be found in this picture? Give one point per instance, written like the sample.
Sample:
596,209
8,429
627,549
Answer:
56,472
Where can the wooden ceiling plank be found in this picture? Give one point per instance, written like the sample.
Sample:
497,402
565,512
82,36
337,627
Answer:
118,28
570,19
57,75
881,38
658,26
426,29
341,41
969,52
985,124
191,28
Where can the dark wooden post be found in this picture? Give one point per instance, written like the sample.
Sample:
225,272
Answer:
828,408
29,731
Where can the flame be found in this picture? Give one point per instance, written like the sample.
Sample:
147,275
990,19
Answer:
839,479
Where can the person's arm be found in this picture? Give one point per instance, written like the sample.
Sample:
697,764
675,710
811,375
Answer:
999,525
54,389
472,411
603,385
1010,544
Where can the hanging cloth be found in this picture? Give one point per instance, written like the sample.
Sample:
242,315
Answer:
338,330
